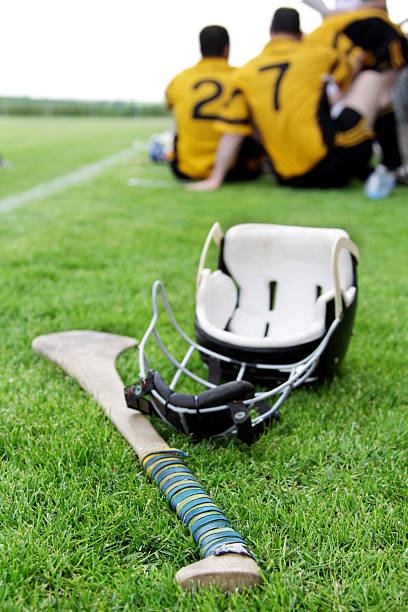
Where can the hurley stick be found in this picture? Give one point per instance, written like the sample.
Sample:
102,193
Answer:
317,5
90,358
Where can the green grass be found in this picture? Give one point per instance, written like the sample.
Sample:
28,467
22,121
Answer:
42,149
321,498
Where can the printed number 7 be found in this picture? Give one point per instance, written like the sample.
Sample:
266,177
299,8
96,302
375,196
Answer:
282,68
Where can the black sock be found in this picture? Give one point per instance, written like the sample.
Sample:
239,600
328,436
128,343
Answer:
387,137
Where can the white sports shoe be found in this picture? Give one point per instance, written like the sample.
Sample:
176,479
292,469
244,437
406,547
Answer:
4,163
401,175
380,183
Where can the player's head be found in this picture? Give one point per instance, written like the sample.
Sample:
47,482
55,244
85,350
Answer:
214,41
286,22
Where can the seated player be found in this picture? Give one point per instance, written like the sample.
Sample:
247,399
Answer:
196,97
284,93
383,47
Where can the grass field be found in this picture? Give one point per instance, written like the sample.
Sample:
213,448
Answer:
321,498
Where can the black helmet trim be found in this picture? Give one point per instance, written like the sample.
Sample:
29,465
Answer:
277,313
163,399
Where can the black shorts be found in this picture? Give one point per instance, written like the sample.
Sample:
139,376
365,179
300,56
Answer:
249,163
344,161
247,167
385,44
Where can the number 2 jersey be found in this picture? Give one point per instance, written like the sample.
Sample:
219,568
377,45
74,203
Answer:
196,97
281,95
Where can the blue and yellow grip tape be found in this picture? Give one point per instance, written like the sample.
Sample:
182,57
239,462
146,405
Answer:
211,530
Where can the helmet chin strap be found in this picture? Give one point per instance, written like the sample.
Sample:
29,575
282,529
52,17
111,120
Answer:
229,396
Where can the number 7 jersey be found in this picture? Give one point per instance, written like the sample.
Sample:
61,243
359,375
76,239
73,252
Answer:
281,95
196,97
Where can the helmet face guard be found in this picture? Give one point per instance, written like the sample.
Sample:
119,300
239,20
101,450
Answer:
245,344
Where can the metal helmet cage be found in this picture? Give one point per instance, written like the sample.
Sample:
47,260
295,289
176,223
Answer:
278,312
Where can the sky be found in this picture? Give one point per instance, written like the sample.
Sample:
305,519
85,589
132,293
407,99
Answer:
125,49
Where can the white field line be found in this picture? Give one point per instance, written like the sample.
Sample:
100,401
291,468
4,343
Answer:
62,182
141,182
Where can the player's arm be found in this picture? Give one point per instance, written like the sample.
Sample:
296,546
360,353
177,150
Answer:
234,125
227,151
377,4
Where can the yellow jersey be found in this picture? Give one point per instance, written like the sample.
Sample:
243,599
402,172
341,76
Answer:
196,97
367,31
281,94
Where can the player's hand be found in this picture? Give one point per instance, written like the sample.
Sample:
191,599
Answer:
210,184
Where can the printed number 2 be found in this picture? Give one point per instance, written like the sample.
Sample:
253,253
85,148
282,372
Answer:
198,110
282,68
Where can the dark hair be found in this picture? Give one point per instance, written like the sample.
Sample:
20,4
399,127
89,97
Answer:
285,20
213,40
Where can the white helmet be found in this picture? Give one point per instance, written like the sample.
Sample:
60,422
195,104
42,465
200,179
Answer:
277,312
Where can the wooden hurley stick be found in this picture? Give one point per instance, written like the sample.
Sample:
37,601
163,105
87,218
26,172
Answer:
90,357
317,5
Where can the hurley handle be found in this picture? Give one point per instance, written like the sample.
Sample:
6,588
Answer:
211,530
